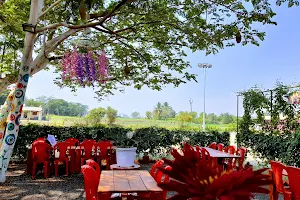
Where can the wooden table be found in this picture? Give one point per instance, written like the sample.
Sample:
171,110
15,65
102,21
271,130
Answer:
128,181
220,154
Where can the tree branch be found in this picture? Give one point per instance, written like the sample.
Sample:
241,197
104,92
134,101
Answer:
50,7
92,24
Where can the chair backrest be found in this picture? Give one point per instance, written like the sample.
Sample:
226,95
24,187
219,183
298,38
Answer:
242,153
220,147
73,141
41,152
213,145
294,181
205,155
39,140
163,178
230,149
154,168
88,146
96,167
277,169
62,148
90,182
103,146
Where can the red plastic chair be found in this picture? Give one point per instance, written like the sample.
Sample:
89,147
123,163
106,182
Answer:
62,148
154,168
90,182
213,145
230,149
277,169
41,155
103,147
294,181
73,142
87,146
240,161
220,147
96,167
228,164
163,178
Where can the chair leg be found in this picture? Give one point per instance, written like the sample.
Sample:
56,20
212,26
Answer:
67,166
33,170
81,162
46,163
56,167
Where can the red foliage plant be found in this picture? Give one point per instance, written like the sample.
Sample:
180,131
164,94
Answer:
194,177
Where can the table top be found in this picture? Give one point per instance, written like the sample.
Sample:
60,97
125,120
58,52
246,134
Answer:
118,181
115,166
220,154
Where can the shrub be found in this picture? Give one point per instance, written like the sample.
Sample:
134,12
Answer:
111,115
95,115
156,140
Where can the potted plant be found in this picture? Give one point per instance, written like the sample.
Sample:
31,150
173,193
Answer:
126,153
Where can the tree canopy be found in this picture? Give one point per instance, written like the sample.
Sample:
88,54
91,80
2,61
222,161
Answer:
145,40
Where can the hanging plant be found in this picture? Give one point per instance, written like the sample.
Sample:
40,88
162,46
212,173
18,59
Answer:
84,68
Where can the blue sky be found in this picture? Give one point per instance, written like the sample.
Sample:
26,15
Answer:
234,69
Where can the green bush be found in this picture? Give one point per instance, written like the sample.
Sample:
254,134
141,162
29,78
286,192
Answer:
272,146
156,140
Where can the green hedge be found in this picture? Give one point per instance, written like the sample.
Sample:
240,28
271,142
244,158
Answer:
273,146
158,140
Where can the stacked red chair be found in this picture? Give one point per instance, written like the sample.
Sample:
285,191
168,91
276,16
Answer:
73,142
277,169
88,149
294,181
41,153
61,147
104,147
228,164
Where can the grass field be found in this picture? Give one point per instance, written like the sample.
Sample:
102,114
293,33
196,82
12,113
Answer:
54,120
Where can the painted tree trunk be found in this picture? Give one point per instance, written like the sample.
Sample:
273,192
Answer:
4,114
13,121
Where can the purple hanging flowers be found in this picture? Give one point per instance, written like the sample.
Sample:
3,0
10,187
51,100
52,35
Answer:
84,69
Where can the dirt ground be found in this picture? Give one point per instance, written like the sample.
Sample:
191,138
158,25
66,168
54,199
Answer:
20,186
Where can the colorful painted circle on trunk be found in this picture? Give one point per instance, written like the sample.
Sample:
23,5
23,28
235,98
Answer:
19,93
10,126
10,139
26,77
20,85
18,119
12,117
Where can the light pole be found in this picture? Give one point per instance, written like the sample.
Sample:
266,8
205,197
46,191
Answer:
204,66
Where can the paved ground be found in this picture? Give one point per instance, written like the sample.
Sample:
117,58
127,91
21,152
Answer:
20,186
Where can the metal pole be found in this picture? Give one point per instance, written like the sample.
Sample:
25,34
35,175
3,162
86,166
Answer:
237,114
204,100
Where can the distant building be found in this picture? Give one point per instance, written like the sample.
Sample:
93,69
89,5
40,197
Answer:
32,113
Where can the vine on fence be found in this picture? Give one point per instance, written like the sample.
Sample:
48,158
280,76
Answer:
273,102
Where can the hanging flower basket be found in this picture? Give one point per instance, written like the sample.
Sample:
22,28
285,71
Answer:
85,69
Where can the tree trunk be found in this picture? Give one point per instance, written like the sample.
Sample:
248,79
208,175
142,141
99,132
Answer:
4,114
13,121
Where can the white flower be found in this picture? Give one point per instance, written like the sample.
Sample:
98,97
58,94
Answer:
129,134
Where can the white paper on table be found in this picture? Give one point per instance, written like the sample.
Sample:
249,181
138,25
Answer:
51,139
